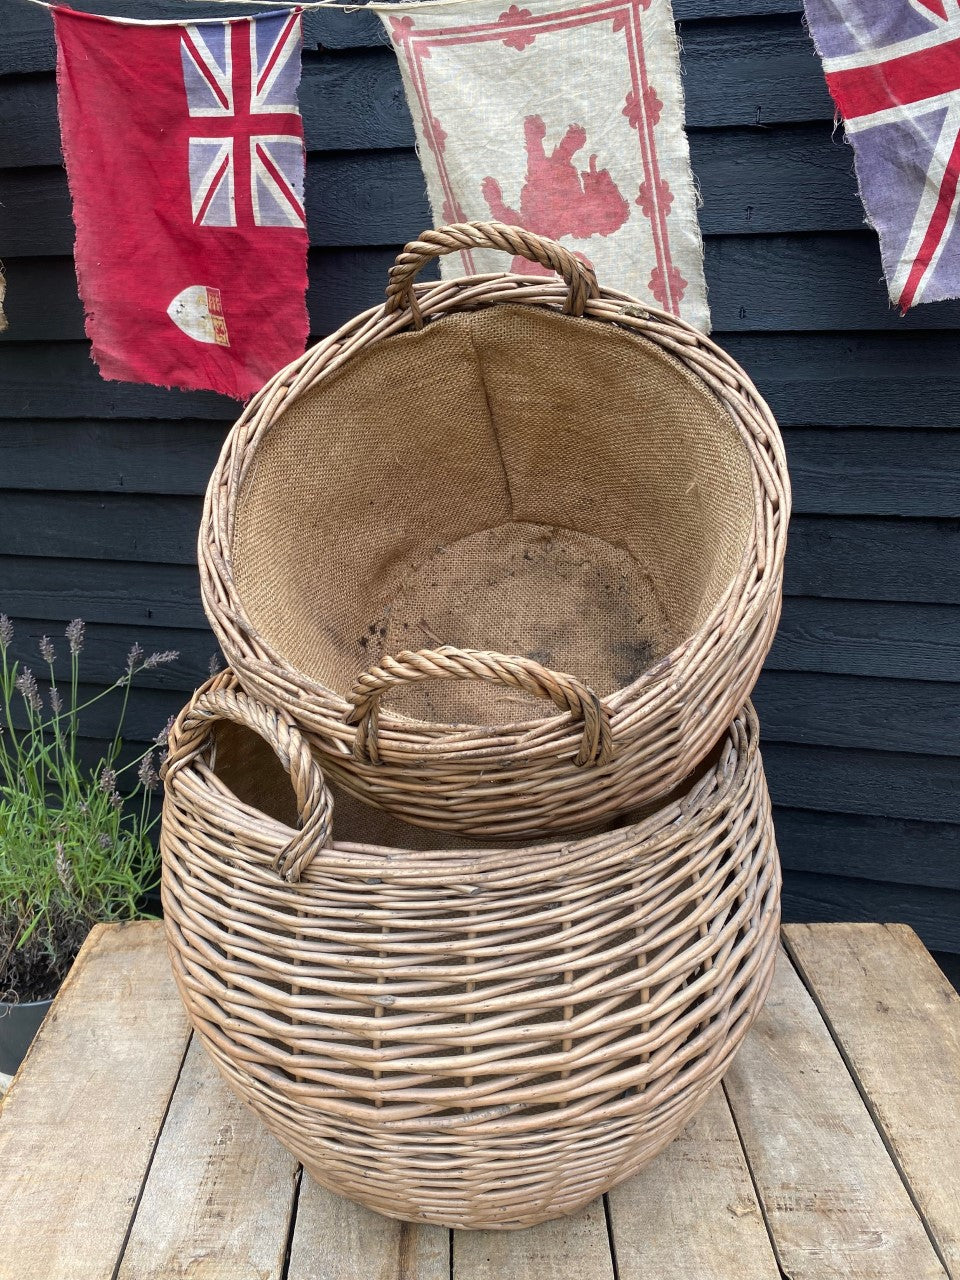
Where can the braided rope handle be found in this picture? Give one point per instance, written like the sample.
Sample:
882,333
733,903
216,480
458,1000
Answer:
579,276
191,734
450,663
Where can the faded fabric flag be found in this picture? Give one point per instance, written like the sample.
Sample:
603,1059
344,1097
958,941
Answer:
565,119
893,69
184,151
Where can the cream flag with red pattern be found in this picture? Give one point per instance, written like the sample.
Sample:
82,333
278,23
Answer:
566,119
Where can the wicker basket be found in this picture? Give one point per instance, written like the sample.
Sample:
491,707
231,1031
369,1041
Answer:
461,514
479,1037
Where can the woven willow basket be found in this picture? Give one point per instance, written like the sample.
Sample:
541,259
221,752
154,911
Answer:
474,1037
491,491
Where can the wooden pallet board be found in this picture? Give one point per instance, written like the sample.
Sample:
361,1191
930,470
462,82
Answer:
859,976
829,1151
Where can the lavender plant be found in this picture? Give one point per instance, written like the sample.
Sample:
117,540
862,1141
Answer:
75,845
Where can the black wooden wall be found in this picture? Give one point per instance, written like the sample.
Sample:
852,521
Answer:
102,481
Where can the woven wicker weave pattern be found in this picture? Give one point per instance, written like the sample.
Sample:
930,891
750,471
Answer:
436,767
484,1038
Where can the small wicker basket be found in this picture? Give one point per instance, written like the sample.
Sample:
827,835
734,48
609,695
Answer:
543,477
475,1037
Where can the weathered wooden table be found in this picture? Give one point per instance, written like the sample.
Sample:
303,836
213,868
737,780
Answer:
832,1150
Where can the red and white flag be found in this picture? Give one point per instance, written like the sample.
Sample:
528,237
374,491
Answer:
565,118
184,151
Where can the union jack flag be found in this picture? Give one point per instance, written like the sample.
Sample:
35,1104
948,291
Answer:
893,69
246,153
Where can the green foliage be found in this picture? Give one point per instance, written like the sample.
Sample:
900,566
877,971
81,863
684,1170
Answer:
75,844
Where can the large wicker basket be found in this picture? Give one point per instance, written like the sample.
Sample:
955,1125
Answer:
477,1037
473,490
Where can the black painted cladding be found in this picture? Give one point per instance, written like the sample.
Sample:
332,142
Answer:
861,697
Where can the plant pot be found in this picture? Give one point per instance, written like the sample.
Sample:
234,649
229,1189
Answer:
19,1023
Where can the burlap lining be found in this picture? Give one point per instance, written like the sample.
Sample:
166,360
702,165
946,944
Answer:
508,479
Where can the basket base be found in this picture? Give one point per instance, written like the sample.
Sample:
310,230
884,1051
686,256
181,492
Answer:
569,600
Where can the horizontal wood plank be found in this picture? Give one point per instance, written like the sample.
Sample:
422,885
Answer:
59,380
914,716
147,713
896,1020
106,649
895,473
813,710
853,637
692,1214
125,455
845,637
28,43
862,637
833,471
887,784
748,179
833,1200
874,559
807,281
846,557
336,1240
112,591
852,379
575,1246
860,846
809,379
757,284
933,913
143,528
78,1127
220,1194
758,71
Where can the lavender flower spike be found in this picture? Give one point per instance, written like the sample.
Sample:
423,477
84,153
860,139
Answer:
6,630
147,773
74,634
47,651
163,736
27,688
161,659
134,656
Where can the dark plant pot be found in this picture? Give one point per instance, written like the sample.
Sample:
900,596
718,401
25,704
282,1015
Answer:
19,1023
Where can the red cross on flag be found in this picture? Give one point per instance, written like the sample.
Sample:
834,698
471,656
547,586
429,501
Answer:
184,152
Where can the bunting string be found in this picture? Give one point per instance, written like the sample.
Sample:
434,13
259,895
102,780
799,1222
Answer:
295,6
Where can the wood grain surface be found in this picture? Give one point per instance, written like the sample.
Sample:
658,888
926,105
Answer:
896,1020
869,400
79,1125
829,1151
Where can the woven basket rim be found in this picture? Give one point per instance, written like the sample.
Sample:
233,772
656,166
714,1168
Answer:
709,792
662,330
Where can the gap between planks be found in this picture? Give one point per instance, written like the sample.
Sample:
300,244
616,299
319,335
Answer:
698,1211
880,1009
834,1201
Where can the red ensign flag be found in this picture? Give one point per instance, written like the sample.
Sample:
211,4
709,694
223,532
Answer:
184,151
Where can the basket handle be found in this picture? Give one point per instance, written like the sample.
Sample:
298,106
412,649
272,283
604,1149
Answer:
580,277
219,699
451,663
